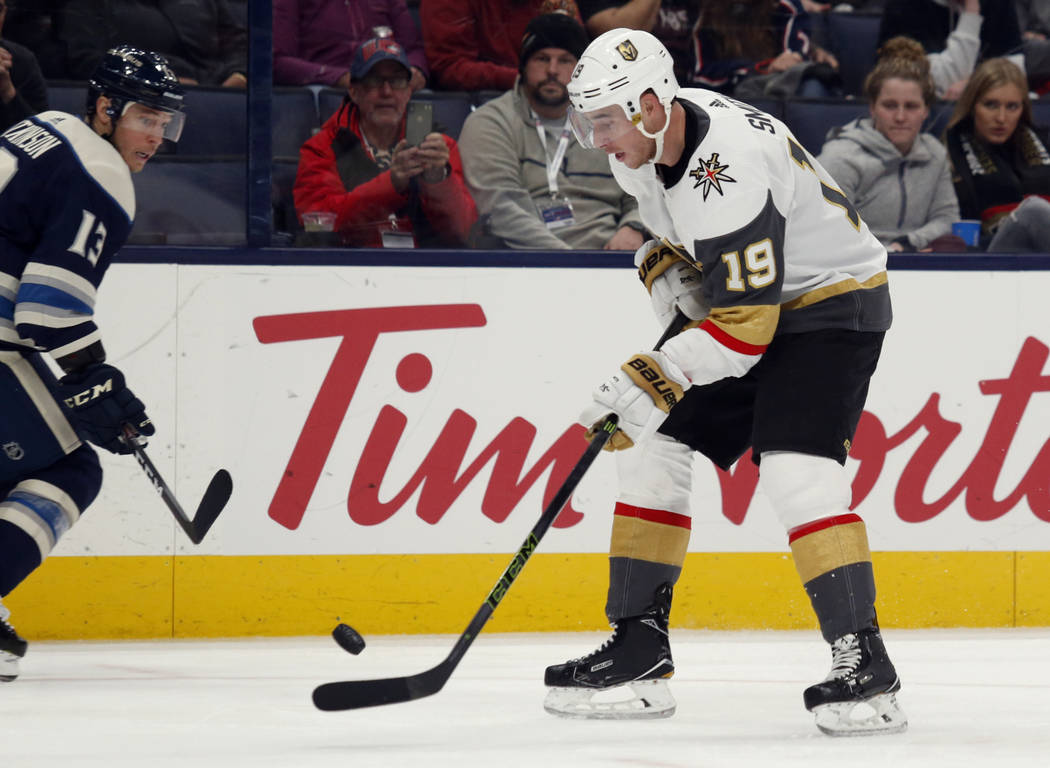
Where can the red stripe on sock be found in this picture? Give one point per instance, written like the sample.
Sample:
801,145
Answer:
820,525
653,515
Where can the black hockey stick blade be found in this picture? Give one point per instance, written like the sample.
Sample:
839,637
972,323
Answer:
215,497
213,502
356,694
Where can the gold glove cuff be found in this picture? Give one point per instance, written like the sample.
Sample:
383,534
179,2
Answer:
657,261
648,376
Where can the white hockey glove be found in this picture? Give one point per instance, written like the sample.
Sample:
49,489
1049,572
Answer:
641,394
672,281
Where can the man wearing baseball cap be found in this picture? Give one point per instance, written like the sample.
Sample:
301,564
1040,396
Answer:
535,186
359,166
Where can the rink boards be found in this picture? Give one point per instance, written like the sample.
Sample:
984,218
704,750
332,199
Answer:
392,433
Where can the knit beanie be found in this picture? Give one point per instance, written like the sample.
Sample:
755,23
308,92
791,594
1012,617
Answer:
552,30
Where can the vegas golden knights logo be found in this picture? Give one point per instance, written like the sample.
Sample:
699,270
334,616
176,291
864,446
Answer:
627,50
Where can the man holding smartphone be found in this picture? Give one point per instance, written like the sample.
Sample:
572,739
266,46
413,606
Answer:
388,188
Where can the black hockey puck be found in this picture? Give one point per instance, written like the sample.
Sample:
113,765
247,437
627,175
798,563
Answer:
348,638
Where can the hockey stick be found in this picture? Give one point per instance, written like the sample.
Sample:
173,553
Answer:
356,694
213,502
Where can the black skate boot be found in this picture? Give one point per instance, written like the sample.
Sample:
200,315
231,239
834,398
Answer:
12,648
858,695
625,678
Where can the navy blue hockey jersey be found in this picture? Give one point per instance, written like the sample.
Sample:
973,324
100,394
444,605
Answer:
66,206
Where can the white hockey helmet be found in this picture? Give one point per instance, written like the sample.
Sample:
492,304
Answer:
616,69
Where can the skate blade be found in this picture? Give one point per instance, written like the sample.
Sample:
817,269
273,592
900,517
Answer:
875,716
644,700
8,667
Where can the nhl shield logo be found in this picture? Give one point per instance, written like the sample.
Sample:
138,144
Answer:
14,451
627,50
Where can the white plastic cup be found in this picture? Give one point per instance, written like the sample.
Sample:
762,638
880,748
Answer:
319,221
969,230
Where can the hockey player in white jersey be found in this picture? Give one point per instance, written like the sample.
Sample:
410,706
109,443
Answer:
66,206
788,294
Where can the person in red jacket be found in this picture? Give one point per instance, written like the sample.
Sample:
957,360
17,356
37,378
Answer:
473,45
360,167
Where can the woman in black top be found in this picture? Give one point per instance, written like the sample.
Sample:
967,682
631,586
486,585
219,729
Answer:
1000,163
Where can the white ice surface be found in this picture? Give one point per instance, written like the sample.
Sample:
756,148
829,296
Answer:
975,698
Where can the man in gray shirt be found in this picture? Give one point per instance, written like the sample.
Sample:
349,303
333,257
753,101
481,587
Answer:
534,185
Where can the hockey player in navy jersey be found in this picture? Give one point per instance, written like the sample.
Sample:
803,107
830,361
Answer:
788,294
66,206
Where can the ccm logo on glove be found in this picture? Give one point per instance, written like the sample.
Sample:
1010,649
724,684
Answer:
82,398
646,374
101,404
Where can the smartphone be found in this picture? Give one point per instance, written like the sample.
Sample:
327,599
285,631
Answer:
418,122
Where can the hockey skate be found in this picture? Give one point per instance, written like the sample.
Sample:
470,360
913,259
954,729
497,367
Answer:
12,647
858,697
625,679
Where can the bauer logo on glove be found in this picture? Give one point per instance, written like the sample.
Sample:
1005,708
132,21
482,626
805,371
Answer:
665,393
641,394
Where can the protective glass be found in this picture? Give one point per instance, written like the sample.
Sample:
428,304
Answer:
153,122
600,127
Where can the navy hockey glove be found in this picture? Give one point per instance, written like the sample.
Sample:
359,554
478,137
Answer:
102,404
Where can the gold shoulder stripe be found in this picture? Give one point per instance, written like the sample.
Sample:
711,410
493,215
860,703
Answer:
827,291
750,324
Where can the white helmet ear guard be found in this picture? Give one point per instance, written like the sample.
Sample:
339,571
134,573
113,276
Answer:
616,69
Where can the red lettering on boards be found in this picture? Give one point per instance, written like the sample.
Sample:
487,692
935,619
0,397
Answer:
976,484
440,478
438,475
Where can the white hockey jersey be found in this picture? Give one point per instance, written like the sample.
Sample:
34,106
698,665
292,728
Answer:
781,248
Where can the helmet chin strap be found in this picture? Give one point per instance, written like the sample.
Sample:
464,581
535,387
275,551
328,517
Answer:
659,135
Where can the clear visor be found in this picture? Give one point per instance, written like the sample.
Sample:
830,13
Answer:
153,122
600,127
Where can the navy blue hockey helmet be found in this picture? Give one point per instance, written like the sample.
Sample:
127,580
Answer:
127,74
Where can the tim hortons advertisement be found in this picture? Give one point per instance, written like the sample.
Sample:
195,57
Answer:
367,410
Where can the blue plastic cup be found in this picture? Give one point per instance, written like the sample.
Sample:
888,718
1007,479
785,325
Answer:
969,230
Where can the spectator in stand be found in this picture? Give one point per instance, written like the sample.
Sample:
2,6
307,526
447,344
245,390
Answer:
1033,16
201,39
672,21
762,48
315,40
536,186
23,91
473,45
1000,163
31,24
957,34
359,167
898,178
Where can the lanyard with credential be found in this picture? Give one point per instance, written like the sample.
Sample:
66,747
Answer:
553,164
